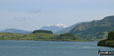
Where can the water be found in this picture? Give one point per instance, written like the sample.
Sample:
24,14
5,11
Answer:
48,48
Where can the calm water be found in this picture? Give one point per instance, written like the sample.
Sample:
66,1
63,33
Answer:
48,48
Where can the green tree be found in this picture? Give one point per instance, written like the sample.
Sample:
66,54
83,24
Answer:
111,35
108,42
42,31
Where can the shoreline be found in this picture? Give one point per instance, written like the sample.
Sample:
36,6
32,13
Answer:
55,40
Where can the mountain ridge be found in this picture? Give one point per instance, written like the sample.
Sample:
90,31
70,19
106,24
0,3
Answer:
94,29
13,30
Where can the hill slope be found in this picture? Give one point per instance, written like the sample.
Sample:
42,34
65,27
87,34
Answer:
67,29
96,29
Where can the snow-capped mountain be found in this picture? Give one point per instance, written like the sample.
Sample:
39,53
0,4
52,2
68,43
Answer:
53,28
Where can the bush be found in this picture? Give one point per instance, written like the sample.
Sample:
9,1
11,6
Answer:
109,42
111,35
42,31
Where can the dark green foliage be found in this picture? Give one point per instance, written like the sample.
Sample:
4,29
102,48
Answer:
42,31
111,35
101,43
109,42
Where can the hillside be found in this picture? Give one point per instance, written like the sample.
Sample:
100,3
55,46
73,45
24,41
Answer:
67,29
96,29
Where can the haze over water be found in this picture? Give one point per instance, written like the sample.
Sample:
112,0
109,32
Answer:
48,48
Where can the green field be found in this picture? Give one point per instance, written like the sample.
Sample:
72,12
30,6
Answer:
38,36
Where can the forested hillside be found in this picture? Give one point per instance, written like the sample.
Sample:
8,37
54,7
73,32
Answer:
96,29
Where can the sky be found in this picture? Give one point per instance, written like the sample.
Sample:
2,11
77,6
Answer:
34,14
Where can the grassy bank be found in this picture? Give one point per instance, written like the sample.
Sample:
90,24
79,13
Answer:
38,36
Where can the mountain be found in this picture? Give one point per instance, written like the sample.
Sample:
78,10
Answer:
67,29
96,29
15,31
53,28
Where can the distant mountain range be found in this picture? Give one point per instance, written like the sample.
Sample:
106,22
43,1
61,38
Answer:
53,28
16,31
96,29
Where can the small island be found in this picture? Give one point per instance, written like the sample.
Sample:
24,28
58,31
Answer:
109,42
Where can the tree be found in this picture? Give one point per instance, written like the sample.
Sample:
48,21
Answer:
42,31
108,42
111,35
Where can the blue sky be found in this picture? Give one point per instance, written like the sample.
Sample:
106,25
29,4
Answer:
33,14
